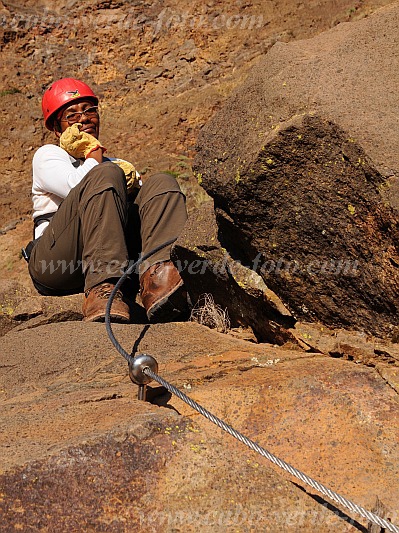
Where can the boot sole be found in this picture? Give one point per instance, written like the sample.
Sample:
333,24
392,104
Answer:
121,319
171,307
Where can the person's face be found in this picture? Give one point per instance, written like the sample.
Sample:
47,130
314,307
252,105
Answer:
74,113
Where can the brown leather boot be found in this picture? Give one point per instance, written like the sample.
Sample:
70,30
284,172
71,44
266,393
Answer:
163,294
95,303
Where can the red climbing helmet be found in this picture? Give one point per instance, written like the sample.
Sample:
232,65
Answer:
62,92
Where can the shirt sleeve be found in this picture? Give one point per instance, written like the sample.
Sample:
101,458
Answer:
53,171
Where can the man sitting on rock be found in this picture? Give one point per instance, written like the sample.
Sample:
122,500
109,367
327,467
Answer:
92,215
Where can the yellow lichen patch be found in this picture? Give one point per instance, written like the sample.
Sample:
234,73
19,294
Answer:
6,310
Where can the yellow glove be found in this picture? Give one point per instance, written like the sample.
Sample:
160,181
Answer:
77,143
132,181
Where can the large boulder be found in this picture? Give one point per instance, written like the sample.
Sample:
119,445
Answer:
301,163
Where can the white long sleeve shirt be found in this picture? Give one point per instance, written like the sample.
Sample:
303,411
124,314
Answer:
55,173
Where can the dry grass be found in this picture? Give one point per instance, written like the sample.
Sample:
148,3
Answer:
210,314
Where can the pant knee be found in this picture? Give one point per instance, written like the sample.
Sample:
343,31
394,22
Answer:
157,184
104,177
105,174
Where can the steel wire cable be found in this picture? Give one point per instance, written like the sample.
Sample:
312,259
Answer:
265,453
372,517
119,284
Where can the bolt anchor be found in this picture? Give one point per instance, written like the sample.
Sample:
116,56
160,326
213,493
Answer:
136,374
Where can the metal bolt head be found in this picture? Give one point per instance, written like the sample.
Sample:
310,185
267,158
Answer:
140,362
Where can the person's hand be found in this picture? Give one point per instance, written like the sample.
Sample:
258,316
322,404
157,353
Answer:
132,180
79,144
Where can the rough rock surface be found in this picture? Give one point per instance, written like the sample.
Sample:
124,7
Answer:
296,192
21,307
79,452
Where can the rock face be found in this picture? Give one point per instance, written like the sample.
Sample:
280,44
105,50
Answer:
80,452
22,307
297,164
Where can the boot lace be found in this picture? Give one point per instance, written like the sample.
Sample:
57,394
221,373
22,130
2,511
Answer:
104,291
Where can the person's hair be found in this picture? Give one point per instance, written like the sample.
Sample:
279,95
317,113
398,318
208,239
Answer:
56,124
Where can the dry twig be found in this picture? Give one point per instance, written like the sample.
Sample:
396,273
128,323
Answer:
208,313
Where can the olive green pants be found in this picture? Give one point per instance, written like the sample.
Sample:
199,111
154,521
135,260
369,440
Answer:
98,230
